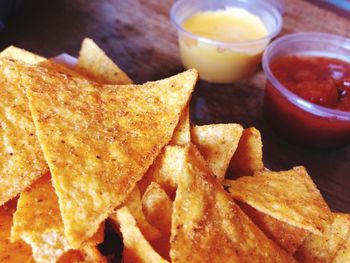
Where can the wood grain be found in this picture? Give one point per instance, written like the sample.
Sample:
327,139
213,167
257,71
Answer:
139,36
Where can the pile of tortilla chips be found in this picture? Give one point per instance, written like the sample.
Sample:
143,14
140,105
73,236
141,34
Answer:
85,152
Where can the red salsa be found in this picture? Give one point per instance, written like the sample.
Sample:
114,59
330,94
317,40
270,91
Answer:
320,80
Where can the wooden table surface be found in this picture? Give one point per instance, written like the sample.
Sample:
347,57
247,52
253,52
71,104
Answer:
137,34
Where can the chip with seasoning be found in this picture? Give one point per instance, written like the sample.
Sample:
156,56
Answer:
165,170
207,226
12,252
324,248
96,65
22,55
285,235
284,196
107,135
248,157
158,208
217,143
38,222
133,203
136,247
182,134
22,160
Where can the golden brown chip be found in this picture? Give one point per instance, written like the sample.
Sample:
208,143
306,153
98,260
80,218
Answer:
289,196
22,55
324,248
21,161
157,207
248,157
217,143
285,235
165,170
11,205
12,252
133,203
182,135
100,142
136,247
95,64
343,254
38,222
85,255
207,226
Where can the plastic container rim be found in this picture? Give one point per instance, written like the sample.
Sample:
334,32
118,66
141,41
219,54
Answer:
292,97
267,6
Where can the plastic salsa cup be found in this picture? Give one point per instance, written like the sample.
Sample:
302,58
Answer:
218,61
296,118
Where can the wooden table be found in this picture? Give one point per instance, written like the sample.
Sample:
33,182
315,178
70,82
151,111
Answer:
140,38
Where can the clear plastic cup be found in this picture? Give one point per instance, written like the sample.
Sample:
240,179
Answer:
217,61
298,119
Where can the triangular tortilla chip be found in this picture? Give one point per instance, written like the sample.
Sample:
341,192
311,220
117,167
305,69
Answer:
285,235
248,157
136,248
21,161
165,170
12,252
134,205
289,196
38,222
94,64
100,140
22,55
207,226
217,143
325,248
182,135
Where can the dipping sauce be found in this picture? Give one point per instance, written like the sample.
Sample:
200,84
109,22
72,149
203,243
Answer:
320,80
223,63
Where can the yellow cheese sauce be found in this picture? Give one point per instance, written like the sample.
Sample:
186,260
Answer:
229,25
223,63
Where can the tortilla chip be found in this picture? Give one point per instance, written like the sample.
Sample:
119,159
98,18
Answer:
133,203
157,207
38,222
94,64
217,143
343,254
136,247
165,170
21,161
248,157
11,205
324,248
207,226
100,142
182,135
22,55
289,196
12,252
87,255
285,235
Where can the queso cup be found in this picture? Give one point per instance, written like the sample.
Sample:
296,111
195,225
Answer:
217,61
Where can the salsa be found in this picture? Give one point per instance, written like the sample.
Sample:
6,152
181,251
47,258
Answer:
320,80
